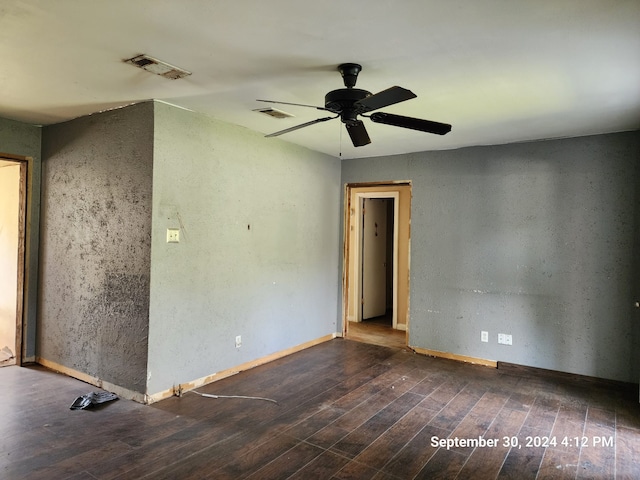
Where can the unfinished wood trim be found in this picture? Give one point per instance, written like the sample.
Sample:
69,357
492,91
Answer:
156,397
388,183
346,278
21,162
178,390
110,387
9,156
27,204
353,192
20,287
30,292
454,356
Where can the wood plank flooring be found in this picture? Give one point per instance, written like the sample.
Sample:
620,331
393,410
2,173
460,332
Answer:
346,410
376,333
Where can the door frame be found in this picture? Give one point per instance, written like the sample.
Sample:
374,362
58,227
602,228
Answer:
22,162
352,246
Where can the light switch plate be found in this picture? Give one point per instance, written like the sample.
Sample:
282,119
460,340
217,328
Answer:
173,235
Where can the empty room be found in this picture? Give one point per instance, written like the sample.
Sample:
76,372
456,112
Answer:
333,240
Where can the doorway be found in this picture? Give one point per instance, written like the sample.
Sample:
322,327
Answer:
376,262
376,279
13,176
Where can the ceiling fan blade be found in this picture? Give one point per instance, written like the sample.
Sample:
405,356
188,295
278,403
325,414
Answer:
358,133
297,127
410,122
296,104
384,98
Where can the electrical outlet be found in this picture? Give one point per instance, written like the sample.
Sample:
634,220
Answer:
238,341
484,336
505,339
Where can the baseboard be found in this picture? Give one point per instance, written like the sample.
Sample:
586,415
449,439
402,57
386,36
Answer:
523,370
70,372
453,356
178,390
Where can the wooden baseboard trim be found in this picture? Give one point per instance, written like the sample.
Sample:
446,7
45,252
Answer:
178,390
70,372
523,370
156,397
453,356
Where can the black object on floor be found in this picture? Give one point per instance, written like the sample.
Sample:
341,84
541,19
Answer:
93,398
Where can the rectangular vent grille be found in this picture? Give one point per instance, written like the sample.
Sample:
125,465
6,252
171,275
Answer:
158,67
274,112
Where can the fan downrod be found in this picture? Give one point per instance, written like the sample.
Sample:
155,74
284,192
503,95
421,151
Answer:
349,72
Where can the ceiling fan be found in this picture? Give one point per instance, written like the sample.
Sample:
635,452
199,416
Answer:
347,103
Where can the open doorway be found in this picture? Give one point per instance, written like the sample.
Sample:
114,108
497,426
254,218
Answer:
12,255
376,262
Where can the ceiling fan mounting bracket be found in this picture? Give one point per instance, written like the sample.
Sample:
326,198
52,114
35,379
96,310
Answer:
349,72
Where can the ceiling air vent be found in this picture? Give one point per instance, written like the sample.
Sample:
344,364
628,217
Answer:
158,67
274,112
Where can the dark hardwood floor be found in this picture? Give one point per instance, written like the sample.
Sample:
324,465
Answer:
346,410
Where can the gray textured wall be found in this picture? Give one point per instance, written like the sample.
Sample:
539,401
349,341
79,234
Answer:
538,240
96,239
259,253
18,138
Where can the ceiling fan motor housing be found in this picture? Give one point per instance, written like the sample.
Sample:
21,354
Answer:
342,101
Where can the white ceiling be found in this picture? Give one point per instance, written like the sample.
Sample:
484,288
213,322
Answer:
499,71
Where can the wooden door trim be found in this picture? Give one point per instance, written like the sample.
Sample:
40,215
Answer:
390,189
23,162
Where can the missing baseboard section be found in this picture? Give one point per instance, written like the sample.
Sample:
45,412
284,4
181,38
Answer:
453,356
523,370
